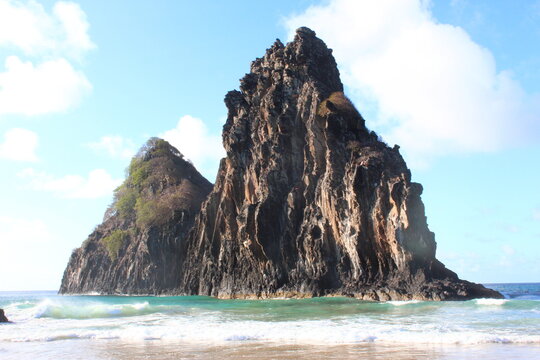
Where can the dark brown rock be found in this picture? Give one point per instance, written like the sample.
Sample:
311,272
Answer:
136,249
3,318
308,202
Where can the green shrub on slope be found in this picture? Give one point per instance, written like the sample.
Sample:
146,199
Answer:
114,242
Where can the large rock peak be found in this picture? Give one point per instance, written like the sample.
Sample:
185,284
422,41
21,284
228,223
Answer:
308,201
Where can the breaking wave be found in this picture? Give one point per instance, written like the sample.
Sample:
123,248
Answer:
491,301
51,309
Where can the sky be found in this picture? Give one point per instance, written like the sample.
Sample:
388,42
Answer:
456,83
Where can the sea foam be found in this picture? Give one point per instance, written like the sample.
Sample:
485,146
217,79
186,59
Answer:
401,303
219,332
491,301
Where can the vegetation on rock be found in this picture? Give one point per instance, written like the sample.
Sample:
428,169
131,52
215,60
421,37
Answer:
114,242
337,102
148,196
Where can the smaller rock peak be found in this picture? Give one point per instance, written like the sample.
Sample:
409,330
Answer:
306,58
308,42
310,52
305,32
156,147
234,97
277,45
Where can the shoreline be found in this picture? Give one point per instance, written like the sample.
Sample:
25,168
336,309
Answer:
169,350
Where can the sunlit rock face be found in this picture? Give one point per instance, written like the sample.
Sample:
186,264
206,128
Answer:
308,201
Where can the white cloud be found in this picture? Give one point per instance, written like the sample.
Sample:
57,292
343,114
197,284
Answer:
114,146
192,138
75,28
25,25
536,214
48,82
99,183
52,86
19,145
434,90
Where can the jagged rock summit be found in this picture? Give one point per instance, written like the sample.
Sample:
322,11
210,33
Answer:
136,248
307,202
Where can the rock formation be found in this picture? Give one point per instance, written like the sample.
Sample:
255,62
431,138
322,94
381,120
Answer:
3,318
136,249
308,202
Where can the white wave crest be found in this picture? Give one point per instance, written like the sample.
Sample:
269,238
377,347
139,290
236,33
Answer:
402,302
66,310
491,301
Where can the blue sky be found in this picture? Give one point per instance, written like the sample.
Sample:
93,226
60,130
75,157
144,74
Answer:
83,84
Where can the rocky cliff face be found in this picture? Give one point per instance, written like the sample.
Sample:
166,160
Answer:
136,249
308,201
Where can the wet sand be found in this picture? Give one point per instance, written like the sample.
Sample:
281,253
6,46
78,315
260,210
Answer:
163,350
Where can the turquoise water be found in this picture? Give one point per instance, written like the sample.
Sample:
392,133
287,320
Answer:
50,326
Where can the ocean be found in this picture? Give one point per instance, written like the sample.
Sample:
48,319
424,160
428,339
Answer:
49,326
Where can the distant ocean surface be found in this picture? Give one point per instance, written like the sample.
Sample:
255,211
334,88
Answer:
48,326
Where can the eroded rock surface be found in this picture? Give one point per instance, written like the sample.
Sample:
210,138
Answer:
308,201
136,250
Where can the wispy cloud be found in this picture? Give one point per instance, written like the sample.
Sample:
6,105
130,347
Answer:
19,145
462,263
98,183
507,258
508,250
433,89
115,146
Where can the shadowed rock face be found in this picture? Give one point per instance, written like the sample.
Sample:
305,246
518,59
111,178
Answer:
136,250
308,202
